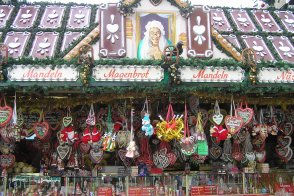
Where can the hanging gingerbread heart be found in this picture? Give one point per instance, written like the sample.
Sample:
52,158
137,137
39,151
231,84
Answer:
283,153
96,155
172,157
5,113
67,120
64,151
217,117
287,128
284,141
258,143
245,113
160,158
122,155
41,130
237,154
215,152
233,124
7,160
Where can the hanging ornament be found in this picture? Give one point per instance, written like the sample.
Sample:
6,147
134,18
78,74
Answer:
109,137
91,120
272,127
132,149
245,113
233,123
188,143
67,120
146,126
170,128
5,112
215,151
41,128
202,146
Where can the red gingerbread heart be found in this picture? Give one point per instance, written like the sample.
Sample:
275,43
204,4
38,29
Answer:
233,124
5,115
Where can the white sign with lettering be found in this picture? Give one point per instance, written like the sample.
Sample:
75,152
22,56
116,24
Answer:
42,73
136,73
275,75
211,74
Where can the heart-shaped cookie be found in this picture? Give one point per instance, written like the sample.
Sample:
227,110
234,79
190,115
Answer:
284,141
217,118
96,155
67,120
172,157
260,156
5,115
63,151
41,130
283,152
258,143
238,156
85,147
215,152
7,160
233,124
246,114
288,128
122,155
160,158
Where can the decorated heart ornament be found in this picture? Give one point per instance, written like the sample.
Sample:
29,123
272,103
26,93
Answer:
284,141
233,124
67,120
5,115
238,156
288,128
63,151
122,155
160,158
85,147
246,114
260,156
215,152
258,143
172,157
188,145
217,118
96,155
41,129
7,161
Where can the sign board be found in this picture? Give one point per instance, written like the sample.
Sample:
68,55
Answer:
104,191
42,73
211,74
204,190
142,191
275,75
128,73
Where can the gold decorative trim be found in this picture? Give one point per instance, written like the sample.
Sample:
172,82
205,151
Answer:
226,45
76,50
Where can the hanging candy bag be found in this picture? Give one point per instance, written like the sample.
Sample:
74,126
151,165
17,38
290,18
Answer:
188,145
146,125
132,149
170,128
202,146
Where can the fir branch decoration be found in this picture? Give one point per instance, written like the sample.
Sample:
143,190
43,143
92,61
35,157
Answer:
127,6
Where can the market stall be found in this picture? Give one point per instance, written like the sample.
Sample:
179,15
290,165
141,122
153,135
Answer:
118,100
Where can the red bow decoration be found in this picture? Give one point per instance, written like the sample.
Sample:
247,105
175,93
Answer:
219,132
93,136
